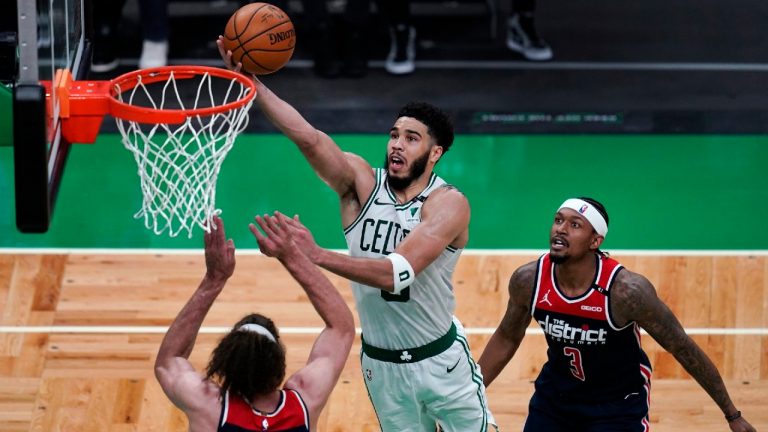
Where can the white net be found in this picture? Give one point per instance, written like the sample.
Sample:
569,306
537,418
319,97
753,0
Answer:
178,164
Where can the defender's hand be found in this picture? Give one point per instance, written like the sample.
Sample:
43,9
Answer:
219,252
303,238
277,240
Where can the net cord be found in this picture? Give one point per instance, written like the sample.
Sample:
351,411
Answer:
179,164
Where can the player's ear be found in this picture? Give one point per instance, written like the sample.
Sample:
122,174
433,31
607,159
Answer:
436,152
597,241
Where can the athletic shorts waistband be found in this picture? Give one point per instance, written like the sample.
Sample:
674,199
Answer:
412,355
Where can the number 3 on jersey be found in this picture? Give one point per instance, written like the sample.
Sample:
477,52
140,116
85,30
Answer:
576,368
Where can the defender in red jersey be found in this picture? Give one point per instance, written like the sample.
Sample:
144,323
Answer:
597,378
241,390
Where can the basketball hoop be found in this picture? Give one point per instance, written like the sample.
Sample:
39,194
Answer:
178,146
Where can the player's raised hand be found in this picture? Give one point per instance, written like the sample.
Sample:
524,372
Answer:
277,240
302,237
227,56
219,252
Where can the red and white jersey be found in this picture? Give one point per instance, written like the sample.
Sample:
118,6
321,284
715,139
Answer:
589,356
291,415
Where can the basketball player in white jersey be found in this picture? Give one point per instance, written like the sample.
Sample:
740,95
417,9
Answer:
405,228
241,390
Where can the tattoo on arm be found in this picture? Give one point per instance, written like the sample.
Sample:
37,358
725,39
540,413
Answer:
519,308
449,187
635,299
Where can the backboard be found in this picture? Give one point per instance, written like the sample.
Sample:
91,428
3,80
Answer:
53,36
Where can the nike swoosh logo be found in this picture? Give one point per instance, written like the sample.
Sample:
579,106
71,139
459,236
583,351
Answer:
450,369
377,202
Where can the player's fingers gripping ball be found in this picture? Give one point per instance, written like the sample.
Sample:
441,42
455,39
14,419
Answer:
261,37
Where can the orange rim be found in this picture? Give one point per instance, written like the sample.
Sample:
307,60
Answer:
128,81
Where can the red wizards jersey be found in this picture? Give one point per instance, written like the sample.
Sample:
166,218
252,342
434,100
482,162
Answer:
590,358
291,415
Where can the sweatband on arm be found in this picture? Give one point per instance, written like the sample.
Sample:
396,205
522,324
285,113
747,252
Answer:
402,272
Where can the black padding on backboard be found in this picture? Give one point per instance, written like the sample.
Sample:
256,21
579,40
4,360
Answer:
30,155
7,57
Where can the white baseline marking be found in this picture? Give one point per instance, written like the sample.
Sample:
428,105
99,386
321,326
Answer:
756,331
316,330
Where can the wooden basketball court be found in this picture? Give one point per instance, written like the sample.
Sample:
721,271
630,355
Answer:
80,332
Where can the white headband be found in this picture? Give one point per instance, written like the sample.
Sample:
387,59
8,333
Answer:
258,329
589,212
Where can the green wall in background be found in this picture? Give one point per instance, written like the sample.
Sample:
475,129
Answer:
662,192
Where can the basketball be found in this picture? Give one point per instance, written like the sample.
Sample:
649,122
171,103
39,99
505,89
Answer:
261,37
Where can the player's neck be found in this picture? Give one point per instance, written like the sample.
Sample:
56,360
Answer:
575,276
413,190
266,403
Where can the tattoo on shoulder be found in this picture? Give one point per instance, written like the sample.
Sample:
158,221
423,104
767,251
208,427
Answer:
423,198
451,187
522,281
630,295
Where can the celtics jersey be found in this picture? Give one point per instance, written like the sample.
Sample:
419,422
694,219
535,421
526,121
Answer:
422,312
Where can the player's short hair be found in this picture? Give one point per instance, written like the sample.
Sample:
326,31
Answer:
247,363
439,124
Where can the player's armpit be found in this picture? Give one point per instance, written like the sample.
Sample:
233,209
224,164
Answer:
186,388
316,380
363,180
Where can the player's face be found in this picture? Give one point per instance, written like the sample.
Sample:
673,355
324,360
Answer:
410,151
571,236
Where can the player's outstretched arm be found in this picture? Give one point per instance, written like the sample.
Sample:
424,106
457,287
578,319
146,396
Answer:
633,298
331,348
329,162
445,218
181,383
507,338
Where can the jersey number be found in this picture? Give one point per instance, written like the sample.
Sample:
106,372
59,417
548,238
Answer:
403,297
576,368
